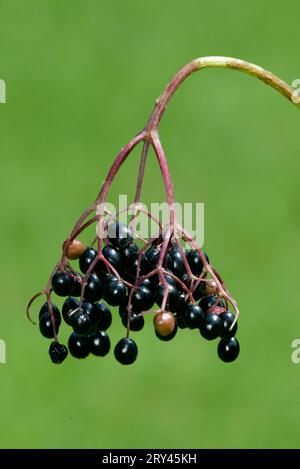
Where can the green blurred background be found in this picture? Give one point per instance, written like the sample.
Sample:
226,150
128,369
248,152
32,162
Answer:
82,77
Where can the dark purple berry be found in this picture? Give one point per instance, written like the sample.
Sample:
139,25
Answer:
62,283
104,316
199,291
69,306
228,349
46,327
126,351
210,301
86,259
114,291
173,297
93,288
119,234
142,298
112,256
81,322
211,326
78,346
44,309
227,319
136,320
58,352
175,261
195,262
193,316
99,343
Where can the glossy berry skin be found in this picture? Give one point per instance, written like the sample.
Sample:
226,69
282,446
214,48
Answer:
210,301
227,319
193,316
78,346
93,288
149,260
119,235
104,316
114,291
86,259
70,305
211,326
76,290
199,291
46,328
180,322
168,337
112,256
62,284
44,309
126,351
164,324
58,352
81,322
228,349
175,262
136,322
142,298
173,298
128,251
99,343
195,262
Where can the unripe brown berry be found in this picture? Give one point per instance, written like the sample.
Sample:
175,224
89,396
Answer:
211,288
75,249
164,323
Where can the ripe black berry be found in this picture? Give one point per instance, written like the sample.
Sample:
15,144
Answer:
175,262
58,352
99,343
210,301
199,291
149,260
211,326
136,321
227,319
112,256
81,322
119,235
93,288
228,349
173,297
78,346
114,291
104,316
126,351
195,262
128,251
69,306
44,309
193,316
142,298
62,284
76,291
46,327
86,259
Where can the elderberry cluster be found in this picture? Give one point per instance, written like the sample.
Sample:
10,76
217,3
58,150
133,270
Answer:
134,290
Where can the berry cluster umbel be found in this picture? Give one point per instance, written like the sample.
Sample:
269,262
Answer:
184,295
174,274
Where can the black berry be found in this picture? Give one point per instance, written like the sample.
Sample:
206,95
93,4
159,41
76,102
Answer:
126,351
62,284
93,288
44,309
193,316
119,235
114,291
227,319
175,261
86,259
104,316
46,327
69,306
142,298
58,352
99,343
211,326
78,346
228,349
